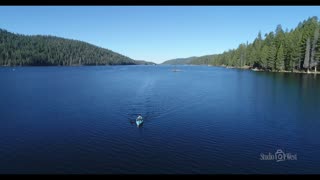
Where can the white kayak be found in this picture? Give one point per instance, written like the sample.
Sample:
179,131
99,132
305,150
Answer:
139,121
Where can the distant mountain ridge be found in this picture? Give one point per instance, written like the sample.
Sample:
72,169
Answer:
142,62
180,60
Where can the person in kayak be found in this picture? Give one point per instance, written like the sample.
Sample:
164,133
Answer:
139,117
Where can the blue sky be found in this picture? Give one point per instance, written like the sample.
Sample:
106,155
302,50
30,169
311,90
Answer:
155,33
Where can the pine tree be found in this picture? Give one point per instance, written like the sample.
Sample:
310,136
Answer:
272,57
306,62
264,57
313,61
279,65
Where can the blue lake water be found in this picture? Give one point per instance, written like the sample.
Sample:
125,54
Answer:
201,120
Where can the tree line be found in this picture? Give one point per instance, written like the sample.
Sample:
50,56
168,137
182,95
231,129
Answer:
297,49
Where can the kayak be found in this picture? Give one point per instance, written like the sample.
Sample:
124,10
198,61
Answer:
139,121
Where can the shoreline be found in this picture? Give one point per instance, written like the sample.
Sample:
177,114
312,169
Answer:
260,70
224,66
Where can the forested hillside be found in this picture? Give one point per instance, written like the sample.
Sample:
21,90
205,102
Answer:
39,50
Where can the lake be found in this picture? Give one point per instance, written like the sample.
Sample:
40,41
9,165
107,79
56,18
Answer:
201,120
